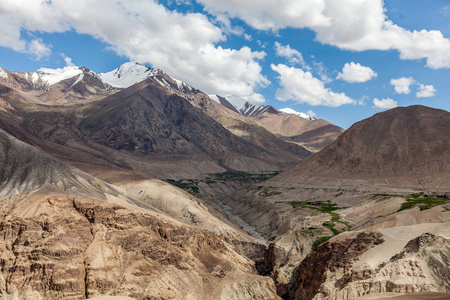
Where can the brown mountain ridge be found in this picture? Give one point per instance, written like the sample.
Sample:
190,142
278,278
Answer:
407,146
155,126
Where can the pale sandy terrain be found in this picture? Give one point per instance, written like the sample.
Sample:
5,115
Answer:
111,298
415,296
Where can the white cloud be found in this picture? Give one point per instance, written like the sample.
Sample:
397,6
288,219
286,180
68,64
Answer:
303,87
362,100
355,73
387,103
320,69
271,15
292,55
402,85
348,24
182,44
38,49
311,113
68,61
426,91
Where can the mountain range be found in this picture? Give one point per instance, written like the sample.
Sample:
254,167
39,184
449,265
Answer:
84,212
286,123
140,111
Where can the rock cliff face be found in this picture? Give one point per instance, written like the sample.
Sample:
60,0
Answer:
64,247
337,269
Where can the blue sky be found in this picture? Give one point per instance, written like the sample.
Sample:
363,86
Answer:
285,53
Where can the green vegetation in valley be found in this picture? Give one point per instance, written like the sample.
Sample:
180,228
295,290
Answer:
424,201
188,185
383,197
242,176
324,207
320,241
311,231
191,185
267,192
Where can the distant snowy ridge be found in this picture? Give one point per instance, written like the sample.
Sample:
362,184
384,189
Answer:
124,76
251,109
247,108
290,111
50,77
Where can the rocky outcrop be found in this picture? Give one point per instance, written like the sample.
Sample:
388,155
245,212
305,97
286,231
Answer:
311,274
336,270
65,247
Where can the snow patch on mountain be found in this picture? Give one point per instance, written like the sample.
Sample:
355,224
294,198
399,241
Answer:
78,80
3,73
181,85
34,77
127,74
53,76
215,98
246,108
290,111
237,102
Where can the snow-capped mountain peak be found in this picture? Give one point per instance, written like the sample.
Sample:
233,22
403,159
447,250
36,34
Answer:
127,74
245,107
290,111
52,76
251,110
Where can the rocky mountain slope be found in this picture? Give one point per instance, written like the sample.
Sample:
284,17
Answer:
160,125
66,234
295,127
389,171
60,86
405,146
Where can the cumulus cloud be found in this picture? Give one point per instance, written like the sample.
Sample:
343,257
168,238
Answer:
402,85
271,15
311,113
182,44
355,73
425,91
387,103
293,56
303,87
38,49
348,24
68,61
